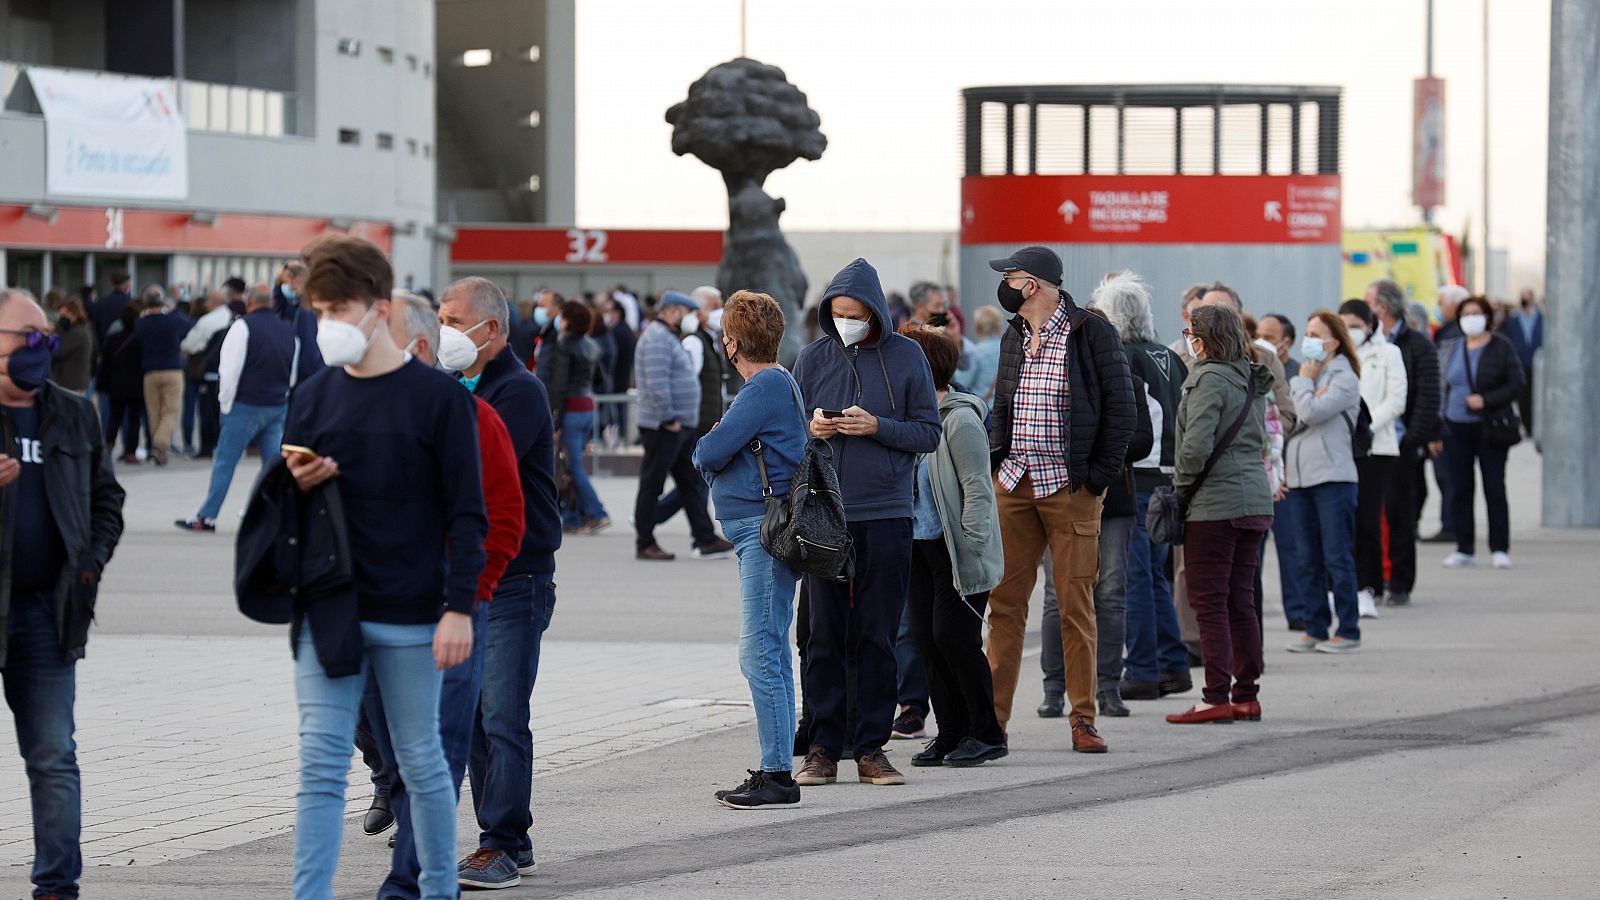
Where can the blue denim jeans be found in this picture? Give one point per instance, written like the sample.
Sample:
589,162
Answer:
501,764
40,689
1288,536
911,673
1326,514
458,704
244,426
400,657
1155,640
767,587
576,430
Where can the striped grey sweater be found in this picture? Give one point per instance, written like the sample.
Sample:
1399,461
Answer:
664,374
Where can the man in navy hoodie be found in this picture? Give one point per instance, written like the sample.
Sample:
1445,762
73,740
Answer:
870,394
501,765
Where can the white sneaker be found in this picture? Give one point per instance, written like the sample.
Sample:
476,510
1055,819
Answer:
1367,603
1459,560
1502,560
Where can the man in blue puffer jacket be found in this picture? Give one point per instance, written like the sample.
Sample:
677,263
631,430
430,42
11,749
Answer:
870,395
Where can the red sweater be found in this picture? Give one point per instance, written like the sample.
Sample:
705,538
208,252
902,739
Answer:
502,498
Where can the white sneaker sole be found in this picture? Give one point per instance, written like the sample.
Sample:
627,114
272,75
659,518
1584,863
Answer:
485,886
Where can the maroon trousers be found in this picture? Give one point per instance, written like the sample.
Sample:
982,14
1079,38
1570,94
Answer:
1219,564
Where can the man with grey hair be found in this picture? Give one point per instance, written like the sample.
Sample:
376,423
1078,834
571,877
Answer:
253,370
1418,425
62,510
474,311
415,326
1156,662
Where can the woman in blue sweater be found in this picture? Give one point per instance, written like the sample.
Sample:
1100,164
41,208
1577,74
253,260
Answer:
401,439
766,409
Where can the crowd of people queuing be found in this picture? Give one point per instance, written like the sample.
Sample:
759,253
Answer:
422,460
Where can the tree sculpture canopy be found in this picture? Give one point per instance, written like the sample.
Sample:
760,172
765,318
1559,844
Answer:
744,119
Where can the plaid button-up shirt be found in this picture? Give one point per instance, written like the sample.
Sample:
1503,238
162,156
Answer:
1040,410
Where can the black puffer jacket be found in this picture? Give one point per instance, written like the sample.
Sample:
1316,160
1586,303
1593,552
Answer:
573,360
86,503
1423,390
1103,417
1497,374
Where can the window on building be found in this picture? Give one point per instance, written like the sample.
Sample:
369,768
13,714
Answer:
411,61
411,146
349,136
385,141
386,54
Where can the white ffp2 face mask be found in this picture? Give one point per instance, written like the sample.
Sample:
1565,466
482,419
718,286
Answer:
456,350
691,324
343,344
1474,324
851,331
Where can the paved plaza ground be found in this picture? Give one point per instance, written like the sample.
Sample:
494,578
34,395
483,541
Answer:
1453,757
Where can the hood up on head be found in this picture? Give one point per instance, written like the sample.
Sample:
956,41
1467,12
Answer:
858,280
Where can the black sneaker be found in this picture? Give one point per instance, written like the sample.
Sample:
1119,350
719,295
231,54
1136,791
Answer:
1054,705
1175,684
908,726
1400,598
762,789
1297,625
933,754
1134,689
973,752
1111,704
196,524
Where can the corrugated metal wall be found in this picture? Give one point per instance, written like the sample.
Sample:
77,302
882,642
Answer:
1292,279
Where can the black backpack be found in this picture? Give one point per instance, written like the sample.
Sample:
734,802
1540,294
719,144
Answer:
806,530
1360,432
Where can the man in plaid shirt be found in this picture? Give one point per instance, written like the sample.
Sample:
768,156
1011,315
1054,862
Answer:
1063,416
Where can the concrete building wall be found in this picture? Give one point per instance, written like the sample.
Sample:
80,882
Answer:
901,257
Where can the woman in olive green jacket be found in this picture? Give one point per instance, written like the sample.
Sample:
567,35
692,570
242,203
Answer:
1229,512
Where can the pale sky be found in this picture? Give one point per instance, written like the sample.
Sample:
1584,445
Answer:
885,76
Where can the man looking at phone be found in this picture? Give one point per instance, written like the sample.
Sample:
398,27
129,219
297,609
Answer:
253,394
475,320
869,393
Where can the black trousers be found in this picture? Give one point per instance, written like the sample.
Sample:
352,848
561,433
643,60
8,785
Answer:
1399,508
948,629
1525,402
210,417
802,637
1463,445
1373,475
858,619
127,415
670,453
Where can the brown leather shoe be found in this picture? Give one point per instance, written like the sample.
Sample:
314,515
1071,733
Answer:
1084,738
1216,715
818,769
874,768
1250,710
654,553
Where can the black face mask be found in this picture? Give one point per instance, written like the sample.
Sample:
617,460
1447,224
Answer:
1010,298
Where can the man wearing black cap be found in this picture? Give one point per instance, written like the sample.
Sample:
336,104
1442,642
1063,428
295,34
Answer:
1063,416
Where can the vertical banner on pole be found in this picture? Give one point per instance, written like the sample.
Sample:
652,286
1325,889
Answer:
1427,143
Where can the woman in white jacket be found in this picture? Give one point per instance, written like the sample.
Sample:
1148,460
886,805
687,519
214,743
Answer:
1383,388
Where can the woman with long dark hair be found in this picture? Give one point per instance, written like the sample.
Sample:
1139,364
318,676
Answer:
1228,509
1482,378
573,365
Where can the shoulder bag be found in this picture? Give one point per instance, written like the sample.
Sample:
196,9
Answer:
1165,516
806,530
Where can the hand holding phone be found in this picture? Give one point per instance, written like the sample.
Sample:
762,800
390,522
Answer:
307,468
832,413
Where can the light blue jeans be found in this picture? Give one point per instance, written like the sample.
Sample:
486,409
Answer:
242,427
764,658
401,658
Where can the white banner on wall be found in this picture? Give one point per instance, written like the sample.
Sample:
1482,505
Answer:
111,135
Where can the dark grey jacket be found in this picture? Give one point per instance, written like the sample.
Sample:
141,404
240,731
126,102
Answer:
86,503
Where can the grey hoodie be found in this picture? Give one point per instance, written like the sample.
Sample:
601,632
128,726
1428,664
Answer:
963,492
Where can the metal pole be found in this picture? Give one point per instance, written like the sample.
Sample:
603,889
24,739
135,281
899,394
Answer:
1485,288
1568,417
741,26
178,62
1427,211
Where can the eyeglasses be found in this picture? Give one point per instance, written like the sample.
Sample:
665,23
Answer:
36,338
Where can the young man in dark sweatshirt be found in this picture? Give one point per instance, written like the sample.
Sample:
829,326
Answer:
402,440
870,395
501,765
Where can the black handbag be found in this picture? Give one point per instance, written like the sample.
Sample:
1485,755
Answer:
806,530
1167,510
1502,427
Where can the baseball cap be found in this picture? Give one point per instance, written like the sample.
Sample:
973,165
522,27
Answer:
1041,262
675,298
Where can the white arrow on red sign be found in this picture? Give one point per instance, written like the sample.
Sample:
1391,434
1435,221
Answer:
1272,211
1068,210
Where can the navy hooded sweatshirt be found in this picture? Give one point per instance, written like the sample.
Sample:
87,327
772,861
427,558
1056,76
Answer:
888,376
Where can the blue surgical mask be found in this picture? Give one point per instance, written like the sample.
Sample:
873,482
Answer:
1311,348
471,384
541,317
288,291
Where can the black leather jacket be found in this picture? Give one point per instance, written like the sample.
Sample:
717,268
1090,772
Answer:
85,501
